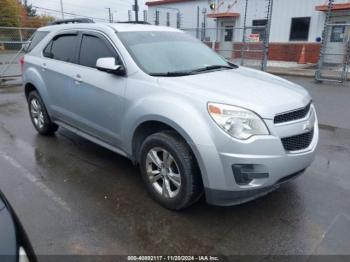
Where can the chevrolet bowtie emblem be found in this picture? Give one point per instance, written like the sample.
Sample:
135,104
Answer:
308,126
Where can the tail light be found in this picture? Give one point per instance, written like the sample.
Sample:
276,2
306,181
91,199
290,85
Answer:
21,61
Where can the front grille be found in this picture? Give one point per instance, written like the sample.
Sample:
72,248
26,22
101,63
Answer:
299,142
291,116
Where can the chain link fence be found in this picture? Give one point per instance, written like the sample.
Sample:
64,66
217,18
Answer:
334,60
11,43
247,44
240,45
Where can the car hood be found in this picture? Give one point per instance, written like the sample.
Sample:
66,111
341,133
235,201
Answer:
260,92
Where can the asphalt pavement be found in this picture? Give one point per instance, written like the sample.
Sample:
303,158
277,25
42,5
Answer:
74,197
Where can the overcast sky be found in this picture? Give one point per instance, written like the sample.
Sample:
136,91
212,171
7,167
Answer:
92,8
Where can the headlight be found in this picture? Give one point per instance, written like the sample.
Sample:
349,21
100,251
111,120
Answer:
238,122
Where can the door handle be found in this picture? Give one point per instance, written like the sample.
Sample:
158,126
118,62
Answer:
43,66
78,79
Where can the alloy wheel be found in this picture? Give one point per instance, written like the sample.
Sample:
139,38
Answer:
37,113
163,172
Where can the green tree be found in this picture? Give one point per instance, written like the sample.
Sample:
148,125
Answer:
9,13
31,11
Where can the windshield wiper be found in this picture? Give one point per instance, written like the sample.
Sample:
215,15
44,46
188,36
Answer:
213,67
195,71
176,73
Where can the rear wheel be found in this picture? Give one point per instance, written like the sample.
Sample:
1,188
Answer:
39,115
170,170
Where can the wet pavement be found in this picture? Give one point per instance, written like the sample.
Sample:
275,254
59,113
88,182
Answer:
75,197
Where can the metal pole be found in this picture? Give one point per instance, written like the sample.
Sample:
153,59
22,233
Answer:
318,74
204,25
136,11
198,14
345,62
145,15
109,14
62,13
267,36
244,32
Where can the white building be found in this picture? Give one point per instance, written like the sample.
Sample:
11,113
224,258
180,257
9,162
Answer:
295,24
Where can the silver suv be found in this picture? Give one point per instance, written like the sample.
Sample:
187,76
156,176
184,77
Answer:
192,121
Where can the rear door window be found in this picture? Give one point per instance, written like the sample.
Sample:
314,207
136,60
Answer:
63,48
93,48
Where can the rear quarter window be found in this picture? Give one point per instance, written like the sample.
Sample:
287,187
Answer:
35,40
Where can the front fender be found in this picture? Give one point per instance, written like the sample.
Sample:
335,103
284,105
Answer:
189,119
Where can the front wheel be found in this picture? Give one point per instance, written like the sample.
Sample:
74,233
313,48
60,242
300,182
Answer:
170,171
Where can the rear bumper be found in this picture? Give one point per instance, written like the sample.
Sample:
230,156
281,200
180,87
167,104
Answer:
231,198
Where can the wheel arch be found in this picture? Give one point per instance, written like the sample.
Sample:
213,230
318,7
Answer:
28,88
152,126
33,81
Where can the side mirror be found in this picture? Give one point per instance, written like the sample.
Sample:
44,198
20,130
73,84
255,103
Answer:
107,64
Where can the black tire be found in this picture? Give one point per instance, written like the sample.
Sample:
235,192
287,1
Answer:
46,127
191,187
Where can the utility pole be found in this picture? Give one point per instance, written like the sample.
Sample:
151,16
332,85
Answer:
62,13
109,14
136,9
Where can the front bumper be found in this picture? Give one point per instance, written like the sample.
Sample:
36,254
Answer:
279,165
231,198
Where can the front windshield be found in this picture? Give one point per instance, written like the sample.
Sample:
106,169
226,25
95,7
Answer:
160,53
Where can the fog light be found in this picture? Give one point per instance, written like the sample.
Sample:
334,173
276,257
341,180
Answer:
245,173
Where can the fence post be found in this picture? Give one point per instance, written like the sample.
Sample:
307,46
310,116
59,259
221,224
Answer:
344,75
318,74
20,35
145,16
204,24
197,30
244,32
267,36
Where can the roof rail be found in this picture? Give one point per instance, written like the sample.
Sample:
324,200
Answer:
134,22
72,21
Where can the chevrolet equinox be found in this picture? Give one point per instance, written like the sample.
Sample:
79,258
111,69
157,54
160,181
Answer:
195,123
